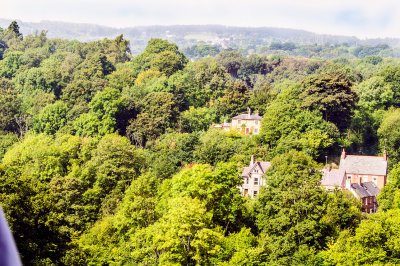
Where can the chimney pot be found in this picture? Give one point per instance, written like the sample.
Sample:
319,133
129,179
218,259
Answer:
252,160
343,154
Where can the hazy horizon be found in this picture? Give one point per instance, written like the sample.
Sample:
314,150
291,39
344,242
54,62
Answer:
360,18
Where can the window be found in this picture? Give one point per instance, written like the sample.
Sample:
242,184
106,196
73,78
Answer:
256,130
246,191
256,122
349,176
239,121
375,180
246,180
255,192
255,180
365,179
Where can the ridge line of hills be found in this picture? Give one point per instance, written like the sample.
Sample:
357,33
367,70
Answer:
188,35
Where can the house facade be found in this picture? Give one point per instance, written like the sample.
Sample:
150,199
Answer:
253,177
362,169
247,123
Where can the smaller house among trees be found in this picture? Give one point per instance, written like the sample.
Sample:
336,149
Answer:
253,177
244,123
247,123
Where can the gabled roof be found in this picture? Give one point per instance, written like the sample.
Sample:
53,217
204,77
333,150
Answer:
334,177
366,189
368,165
248,117
262,165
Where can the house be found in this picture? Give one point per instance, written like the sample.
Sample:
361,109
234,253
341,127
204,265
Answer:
225,126
362,169
253,177
247,123
367,192
333,179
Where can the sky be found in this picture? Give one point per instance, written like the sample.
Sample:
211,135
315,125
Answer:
361,18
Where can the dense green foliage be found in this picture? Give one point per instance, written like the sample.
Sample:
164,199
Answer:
109,159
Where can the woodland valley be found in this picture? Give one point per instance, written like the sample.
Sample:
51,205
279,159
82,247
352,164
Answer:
108,157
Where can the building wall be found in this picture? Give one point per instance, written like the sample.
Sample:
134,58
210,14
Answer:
251,185
379,180
369,204
252,125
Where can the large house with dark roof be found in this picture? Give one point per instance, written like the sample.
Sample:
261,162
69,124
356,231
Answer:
247,123
361,169
253,177
364,176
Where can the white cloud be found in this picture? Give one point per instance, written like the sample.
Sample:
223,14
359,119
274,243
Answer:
363,18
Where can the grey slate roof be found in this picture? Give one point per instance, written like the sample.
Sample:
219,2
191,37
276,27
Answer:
248,117
263,166
358,164
366,189
334,177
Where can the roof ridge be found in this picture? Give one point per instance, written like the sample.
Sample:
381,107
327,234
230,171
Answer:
353,155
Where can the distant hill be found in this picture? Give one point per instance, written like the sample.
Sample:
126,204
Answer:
188,35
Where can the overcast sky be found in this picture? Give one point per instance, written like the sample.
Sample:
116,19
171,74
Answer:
361,18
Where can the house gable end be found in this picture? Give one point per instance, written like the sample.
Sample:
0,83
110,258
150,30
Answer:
257,166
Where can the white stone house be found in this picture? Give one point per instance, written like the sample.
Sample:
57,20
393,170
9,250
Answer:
253,177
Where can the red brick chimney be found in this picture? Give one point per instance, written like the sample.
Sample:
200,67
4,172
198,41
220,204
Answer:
343,154
257,112
385,158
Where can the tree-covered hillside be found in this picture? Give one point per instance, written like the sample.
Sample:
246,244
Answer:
108,158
